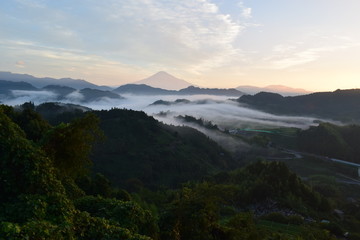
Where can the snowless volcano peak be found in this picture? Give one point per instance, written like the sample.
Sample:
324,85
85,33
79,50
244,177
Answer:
164,80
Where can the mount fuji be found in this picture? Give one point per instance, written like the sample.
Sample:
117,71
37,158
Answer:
164,80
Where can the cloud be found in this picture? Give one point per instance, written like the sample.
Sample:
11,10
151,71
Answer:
191,34
246,12
187,34
75,96
59,62
21,96
296,58
303,52
218,109
31,3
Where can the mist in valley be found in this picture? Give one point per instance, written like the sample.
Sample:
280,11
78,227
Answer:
226,113
220,110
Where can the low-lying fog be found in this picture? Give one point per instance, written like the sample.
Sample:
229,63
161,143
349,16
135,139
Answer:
217,109
220,110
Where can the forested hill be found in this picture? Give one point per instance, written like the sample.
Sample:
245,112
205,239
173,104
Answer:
339,105
39,198
341,142
139,150
48,191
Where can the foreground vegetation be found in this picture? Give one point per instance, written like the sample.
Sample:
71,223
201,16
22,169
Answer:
174,183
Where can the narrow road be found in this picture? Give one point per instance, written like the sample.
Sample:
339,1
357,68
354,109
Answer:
301,154
340,177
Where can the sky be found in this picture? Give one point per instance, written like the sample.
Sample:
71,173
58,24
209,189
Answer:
310,44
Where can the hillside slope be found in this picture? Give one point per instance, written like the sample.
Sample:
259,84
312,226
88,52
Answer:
338,105
140,150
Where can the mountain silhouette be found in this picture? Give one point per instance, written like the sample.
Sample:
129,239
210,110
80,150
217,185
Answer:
42,82
164,80
280,89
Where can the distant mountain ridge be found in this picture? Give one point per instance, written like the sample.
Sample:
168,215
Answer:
11,90
142,89
7,86
280,89
338,105
210,91
42,82
164,80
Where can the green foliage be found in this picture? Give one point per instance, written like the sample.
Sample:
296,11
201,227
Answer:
327,186
260,140
34,230
332,141
354,236
28,120
275,230
21,162
199,121
280,218
87,227
324,140
262,181
139,151
35,202
100,185
276,217
44,193
9,230
243,226
69,145
56,113
333,228
127,214
216,211
73,191
190,217
311,233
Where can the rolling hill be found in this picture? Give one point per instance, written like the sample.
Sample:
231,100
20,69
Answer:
42,82
280,89
142,89
338,105
7,86
12,90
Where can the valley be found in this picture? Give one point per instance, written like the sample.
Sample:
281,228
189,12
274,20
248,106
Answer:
172,154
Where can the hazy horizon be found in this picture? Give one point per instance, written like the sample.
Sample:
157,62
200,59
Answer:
269,86
312,45
160,82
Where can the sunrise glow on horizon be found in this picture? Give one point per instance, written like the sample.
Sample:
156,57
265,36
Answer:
314,45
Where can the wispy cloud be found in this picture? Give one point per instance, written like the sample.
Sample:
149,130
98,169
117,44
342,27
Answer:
31,3
189,34
246,12
61,61
290,55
